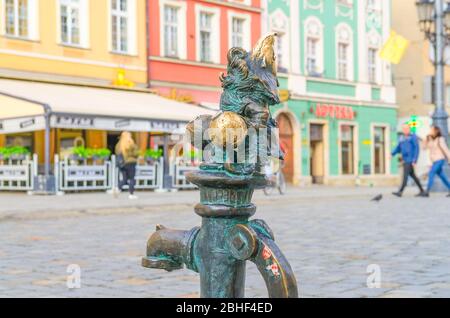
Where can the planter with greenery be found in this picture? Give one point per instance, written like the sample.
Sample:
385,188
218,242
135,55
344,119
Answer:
83,154
152,155
100,154
14,153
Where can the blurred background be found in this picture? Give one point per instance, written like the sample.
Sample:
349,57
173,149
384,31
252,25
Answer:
75,73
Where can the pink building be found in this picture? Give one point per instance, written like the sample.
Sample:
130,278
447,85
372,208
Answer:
189,41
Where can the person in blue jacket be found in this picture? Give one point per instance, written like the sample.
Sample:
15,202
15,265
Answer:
409,148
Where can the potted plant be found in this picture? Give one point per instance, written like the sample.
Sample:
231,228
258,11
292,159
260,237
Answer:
99,154
14,153
19,153
152,155
103,153
79,154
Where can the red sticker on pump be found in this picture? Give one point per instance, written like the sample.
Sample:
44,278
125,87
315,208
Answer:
266,253
274,268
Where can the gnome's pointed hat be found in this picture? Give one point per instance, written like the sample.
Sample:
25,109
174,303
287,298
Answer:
262,62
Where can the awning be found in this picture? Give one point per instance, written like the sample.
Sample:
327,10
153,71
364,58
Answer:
80,107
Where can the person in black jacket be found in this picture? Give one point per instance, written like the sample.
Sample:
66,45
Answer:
409,148
127,149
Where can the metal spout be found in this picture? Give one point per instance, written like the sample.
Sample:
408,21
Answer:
170,249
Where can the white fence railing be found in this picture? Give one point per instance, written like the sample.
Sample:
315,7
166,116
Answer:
178,173
149,176
18,175
72,176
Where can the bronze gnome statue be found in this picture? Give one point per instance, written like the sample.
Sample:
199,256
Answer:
236,144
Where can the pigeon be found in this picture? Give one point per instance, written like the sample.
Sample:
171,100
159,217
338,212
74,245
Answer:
377,198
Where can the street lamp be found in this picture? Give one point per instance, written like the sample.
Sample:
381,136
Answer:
425,10
434,20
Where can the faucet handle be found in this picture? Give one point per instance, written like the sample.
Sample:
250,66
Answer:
275,269
254,242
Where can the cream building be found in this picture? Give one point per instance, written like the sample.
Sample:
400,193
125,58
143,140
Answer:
413,76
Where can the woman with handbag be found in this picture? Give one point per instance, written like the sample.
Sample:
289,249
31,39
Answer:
127,156
439,155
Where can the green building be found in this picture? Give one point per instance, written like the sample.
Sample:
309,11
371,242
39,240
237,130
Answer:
338,119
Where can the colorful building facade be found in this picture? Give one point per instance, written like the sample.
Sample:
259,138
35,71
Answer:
84,39
338,116
339,124
189,41
83,43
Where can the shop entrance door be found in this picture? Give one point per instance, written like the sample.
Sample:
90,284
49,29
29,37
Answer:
111,140
286,140
317,153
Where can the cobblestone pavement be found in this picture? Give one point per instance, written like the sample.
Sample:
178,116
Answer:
330,236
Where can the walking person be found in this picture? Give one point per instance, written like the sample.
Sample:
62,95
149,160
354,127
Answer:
127,156
439,155
408,147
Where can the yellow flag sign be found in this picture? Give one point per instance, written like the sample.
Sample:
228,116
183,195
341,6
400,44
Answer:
394,49
121,80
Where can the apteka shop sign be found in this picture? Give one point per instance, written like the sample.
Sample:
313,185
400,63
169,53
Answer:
323,110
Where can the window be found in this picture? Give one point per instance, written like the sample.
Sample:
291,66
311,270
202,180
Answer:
343,61
372,65
16,18
379,150
313,47
70,21
205,36
279,23
311,55
171,31
20,140
237,32
173,26
344,52
119,24
347,150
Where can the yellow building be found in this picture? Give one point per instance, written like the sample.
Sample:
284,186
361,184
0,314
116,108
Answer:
76,38
413,76
84,42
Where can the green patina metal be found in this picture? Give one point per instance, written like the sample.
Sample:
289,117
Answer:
227,238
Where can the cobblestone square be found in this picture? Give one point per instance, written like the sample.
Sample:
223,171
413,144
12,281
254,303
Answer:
331,236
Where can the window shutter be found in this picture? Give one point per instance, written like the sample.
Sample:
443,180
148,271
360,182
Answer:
84,23
2,17
428,90
132,29
33,20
